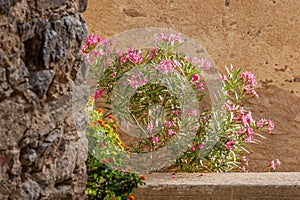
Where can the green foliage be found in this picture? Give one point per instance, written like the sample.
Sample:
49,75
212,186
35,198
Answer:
105,182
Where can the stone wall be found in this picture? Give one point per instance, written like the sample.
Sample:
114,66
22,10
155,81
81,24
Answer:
41,154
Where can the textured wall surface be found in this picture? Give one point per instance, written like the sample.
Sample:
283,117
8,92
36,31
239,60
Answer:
41,154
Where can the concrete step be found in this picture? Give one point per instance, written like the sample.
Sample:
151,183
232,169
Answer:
221,186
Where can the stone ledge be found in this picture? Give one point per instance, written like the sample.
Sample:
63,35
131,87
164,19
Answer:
193,186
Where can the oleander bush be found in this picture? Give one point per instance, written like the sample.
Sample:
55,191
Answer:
132,71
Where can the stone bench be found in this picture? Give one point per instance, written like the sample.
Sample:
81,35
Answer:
246,186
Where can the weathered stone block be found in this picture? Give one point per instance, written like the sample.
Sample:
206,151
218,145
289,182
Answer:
46,4
30,29
82,5
6,4
60,36
40,81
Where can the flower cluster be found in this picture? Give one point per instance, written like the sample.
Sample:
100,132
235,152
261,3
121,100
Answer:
155,139
274,164
131,55
196,81
265,122
194,147
239,126
201,63
91,42
243,118
98,93
249,79
165,66
97,50
245,163
229,144
138,80
106,125
169,40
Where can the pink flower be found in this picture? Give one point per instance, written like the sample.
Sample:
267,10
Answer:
250,91
229,144
250,131
266,122
272,164
229,106
270,125
247,119
242,110
138,80
246,164
163,37
176,38
278,162
244,169
249,138
149,127
224,78
169,124
249,78
155,139
196,77
201,63
98,53
170,39
93,39
205,64
196,61
200,146
123,59
187,59
176,112
250,135
177,63
244,159
153,53
192,149
98,94
133,84
165,66
260,123
170,132
143,81
192,113
242,131
134,56
200,86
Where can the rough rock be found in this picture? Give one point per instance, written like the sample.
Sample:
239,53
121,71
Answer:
42,155
5,5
